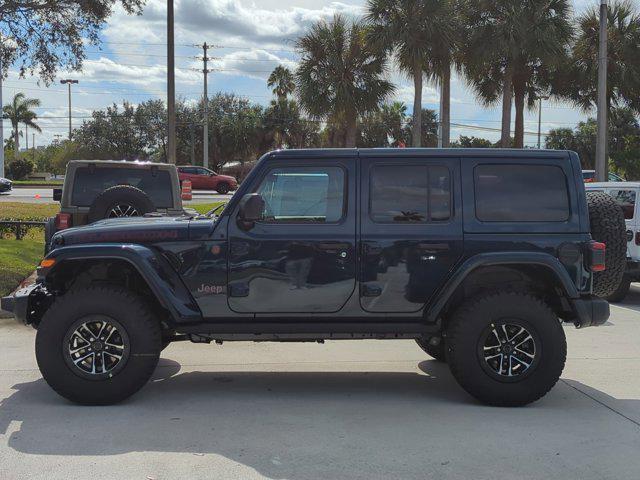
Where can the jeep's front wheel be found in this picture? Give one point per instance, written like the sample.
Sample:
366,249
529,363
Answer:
98,345
506,349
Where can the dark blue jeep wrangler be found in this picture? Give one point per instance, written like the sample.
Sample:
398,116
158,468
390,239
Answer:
478,255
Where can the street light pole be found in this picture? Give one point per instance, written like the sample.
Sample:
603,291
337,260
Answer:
171,87
540,119
1,122
205,139
68,82
601,142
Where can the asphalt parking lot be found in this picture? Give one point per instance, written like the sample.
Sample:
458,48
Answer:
343,410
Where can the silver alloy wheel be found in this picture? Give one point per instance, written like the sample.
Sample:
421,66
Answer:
509,350
96,346
123,210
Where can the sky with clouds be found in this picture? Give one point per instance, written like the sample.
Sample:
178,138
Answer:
250,38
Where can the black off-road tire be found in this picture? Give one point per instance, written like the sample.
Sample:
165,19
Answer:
608,226
436,351
223,188
120,195
133,315
474,321
621,291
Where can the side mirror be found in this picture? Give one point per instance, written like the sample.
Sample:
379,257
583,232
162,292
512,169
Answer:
57,194
251,210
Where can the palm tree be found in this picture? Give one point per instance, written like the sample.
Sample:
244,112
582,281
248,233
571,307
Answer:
420,33
282,81
339,76
579,84
19,111
511,48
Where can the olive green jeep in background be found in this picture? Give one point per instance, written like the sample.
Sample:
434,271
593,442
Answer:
98,189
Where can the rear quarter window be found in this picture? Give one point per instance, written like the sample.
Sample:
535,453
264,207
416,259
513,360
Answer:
627,200
521,193
88,183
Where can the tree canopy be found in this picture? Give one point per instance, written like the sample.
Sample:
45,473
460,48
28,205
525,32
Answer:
42,36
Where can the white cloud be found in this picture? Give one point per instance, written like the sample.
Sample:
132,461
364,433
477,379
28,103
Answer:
132,64
253,63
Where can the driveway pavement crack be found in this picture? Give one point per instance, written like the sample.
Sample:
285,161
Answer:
635,422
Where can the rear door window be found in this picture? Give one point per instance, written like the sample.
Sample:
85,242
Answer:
627,200
521,193
90,182
410,194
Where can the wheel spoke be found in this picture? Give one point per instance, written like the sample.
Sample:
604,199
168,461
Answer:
81,359
114,355
96,347
525,353
509,350
495,334
513,337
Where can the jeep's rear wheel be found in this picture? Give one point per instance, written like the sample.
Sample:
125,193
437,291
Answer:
434,347
506,349
608,226
98,345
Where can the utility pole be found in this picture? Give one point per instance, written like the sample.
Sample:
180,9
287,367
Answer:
1,120
540,119
69,82
192,131
205,132
171,87
33,145
601,142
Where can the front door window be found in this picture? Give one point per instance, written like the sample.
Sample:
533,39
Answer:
303,194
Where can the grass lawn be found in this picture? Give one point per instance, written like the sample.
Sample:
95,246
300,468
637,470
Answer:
18,258
27,211
205,207
37,183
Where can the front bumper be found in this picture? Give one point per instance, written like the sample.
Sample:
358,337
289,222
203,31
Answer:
18,302
590,311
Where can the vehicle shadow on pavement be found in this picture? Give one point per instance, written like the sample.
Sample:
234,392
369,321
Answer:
632,299
309,425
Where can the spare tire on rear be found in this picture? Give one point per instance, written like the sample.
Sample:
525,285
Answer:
608,227
120,201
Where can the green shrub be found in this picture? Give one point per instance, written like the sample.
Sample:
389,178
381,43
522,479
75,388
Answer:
20,168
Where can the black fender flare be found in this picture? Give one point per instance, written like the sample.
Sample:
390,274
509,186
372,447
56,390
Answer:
500,258
163,280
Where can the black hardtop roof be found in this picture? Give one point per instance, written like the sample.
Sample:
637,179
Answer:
423,152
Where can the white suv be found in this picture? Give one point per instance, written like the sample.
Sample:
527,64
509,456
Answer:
625,193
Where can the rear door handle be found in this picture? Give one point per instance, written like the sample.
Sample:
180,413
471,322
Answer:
333,246
433,247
